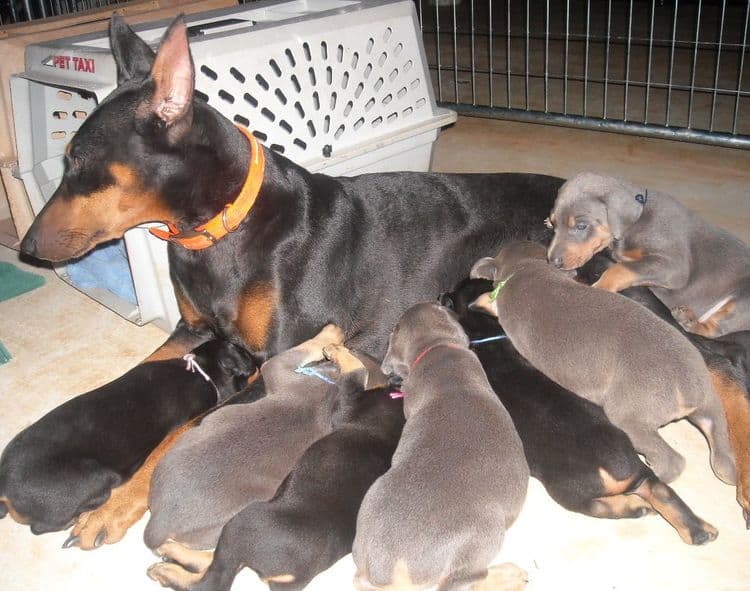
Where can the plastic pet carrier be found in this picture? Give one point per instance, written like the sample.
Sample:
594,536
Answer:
337,86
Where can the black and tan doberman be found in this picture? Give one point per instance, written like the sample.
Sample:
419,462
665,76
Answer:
259,271
699,271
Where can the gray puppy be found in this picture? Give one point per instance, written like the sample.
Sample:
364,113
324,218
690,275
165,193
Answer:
609,350
699,271
459,475
241,453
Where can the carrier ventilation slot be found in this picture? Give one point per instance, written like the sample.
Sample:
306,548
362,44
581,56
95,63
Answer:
312,97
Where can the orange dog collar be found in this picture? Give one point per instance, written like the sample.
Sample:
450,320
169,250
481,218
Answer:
226,221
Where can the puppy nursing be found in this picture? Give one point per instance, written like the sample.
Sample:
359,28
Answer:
609,350
458,477
241,453
68,461
699,271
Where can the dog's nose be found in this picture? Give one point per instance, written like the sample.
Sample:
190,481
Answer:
28,245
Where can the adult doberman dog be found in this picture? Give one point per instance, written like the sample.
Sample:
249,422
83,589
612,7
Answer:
292,251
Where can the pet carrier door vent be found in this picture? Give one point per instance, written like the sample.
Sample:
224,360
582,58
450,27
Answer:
321,95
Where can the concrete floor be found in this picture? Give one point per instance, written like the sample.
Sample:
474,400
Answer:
63,344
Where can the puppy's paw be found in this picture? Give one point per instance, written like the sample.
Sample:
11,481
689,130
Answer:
172,575
684,316
503,577
343,358
109,523
702,534
329,335
196,561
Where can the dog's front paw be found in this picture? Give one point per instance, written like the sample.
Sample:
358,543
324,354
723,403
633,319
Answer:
109,523
343,358
196,561
168,574
329,335
503,577
684,316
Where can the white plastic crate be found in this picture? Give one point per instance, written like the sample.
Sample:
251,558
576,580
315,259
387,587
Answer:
338,86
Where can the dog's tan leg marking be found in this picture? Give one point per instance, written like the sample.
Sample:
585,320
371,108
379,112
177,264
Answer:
128,502
632,255
255,312
400,580
619,506
612,485
285,578
313,349
709,328
168,574
196,561
736,405
691,528
617,278
343,358
616,504
503,577
17,517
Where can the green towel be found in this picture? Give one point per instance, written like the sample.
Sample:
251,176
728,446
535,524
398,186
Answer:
14,282
4,354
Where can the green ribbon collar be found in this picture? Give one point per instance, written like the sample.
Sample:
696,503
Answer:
494,293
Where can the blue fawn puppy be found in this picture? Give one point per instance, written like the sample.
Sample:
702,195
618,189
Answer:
459,475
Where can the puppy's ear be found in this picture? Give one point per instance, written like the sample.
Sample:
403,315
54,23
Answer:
485,303
624,208
484,268
173,75
133,57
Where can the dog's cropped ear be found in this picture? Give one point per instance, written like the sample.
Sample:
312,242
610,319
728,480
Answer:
624,208
484,268
133,57
174,81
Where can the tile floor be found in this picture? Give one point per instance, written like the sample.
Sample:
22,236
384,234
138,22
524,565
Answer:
63,344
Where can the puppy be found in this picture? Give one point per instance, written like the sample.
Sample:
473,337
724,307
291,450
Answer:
586,463
309,523
699,271
242,453
459,475
728,361
69,460
609,350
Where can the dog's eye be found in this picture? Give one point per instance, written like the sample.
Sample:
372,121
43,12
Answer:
581,226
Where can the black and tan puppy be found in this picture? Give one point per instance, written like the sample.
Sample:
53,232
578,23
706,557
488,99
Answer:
242,453
459,475
609,350
70,459
699,271
310,522
586,463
